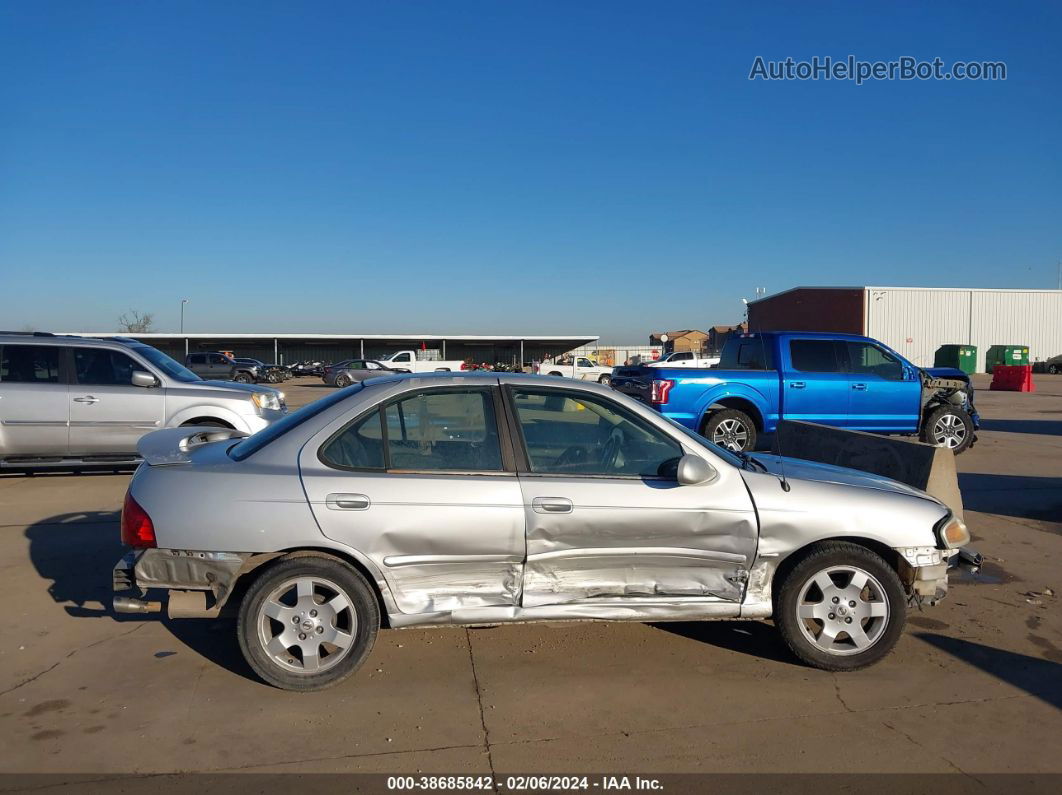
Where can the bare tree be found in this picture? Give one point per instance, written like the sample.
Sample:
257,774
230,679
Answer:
136,322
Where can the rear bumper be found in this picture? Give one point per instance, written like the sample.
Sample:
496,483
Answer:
196,583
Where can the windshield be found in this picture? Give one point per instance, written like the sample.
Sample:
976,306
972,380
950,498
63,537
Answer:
727,455
252,444
170,367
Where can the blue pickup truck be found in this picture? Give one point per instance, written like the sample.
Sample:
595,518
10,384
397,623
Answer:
833,379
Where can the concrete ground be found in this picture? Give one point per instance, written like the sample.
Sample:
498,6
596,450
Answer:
974,687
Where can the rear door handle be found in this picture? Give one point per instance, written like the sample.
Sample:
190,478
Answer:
347,502
87,399
797,384
551,505
860,387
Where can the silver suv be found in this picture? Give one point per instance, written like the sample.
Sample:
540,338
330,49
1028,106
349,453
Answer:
70,401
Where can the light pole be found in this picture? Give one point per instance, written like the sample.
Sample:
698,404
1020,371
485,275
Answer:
183,302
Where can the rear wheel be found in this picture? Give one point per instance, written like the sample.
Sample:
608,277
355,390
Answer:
731,429
307,623
343,381
949,427
1053,369
841,607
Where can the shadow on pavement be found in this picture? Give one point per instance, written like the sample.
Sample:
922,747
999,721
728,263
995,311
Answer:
1040,427
755,638
1040,678
76,553
1012,495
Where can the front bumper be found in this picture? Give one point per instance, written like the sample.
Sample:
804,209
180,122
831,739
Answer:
197,583
924,571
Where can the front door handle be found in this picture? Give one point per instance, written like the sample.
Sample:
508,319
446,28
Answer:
797,384
87,399
551,505
860,387
347,502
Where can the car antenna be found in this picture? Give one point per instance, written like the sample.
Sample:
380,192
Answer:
776,444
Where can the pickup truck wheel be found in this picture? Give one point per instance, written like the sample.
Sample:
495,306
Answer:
605,379
342,381
842,607
243,378
731,429
948,427
307,623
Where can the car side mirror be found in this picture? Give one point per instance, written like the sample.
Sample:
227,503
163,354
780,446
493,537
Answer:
144,379
692,470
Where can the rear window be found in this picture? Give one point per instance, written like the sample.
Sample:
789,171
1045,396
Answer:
252,444
746,353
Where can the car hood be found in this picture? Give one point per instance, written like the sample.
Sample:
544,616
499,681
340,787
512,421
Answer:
801,469
235,386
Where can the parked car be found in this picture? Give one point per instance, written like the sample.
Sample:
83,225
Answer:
409,361
307,368
1052,365
358,370
578,367
77,402
833,379
485,499
685,359
270,373
216,366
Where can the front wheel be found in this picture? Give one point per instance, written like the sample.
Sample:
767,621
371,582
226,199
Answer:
243,378
307,623
841,607
731,429
950,427
1053,369
342,381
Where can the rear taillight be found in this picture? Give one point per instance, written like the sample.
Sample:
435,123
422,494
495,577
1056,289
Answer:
661,388
137,529
464,365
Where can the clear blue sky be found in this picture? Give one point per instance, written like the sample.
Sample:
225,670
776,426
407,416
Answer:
508,167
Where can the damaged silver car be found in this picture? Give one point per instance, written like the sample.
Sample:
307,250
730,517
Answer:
487,498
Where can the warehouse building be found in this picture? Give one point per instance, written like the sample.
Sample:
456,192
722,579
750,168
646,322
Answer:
291,348
917,321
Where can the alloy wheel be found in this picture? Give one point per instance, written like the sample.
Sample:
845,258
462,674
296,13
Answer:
731,434
307,624
948,431
843,610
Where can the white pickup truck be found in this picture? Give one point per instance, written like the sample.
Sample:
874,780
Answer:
580,367
685,359
407,360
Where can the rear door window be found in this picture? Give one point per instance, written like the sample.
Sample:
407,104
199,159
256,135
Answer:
29,364
816,356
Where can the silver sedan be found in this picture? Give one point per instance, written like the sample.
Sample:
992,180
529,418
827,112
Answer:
471,499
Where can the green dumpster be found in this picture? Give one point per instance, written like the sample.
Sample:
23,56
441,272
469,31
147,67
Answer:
1006,354
962,357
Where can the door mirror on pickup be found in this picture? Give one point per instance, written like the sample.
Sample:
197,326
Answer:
144,379
692,470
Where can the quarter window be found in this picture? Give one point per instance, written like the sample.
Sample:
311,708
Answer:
29,364
101,367
569,433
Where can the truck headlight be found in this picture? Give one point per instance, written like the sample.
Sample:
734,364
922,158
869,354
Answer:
266,400
952,533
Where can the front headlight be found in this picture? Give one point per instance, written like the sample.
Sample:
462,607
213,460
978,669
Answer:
952,533
266,400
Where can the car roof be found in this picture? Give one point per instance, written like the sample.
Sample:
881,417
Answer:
44,338
447,377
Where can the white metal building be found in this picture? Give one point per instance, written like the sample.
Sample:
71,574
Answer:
916,321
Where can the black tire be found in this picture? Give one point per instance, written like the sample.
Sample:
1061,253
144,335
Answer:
948,426
243,378
207,423
363,608
342,381
732,429
795,631
606,380
1053,369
